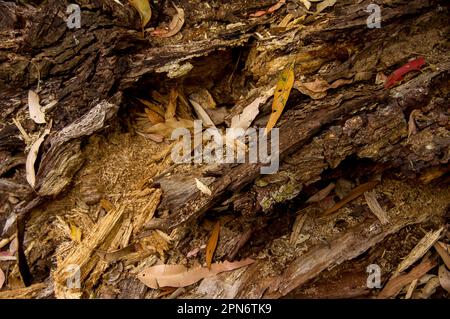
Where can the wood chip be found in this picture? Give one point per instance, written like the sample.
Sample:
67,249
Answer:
395,285
375,207
418,251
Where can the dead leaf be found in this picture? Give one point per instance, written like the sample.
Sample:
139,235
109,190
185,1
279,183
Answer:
32,156
276,6
75,233
355,193
324,4
306,3
320,195
340,82
154,117
212,244
180,276
203,188
315,90
412,128
144,10
281,95
165,129
371,201
297,228
250,112
202,114
2,278
35,109
154,107
444,278
172,106
257,14
443,251
174,27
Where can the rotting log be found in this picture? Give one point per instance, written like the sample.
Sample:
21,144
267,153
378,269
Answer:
91,70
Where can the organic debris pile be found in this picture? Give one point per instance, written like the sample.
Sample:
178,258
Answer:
218,149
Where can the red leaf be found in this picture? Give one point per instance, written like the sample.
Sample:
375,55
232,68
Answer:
398,74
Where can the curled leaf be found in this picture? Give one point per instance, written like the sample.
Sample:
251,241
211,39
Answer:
31,158
179,276
145,12
174,27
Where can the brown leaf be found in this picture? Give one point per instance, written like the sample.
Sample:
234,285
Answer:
172,106
320,195
444,278
212,244
2,278
175,25
355,193
180,276
443,251
154,117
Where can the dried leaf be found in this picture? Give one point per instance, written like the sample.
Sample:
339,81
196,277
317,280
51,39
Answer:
31,157
317,197
443,251
249,113
179,276
212,244
202,114
276,6
297,228
154,117
306,3
154,107
144,10
375,207
315,90
75,233
35,109
412,128
172,106
411,288
281,95
166,129
325,4
2,278
444,278
430,288
203,188
174,27
355,193
419,250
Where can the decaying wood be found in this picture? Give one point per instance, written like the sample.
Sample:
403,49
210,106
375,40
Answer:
94,73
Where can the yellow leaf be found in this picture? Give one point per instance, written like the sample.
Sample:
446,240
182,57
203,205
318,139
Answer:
280,97
212,244
145,12
75,233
